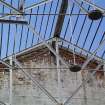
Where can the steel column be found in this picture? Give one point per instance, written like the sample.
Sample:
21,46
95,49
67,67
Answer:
11,82
58,72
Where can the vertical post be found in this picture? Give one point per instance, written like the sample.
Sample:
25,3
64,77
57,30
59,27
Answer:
10,92
104,66
21,9
104,74
58,70
84,89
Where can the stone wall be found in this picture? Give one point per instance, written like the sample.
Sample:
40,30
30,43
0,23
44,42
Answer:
25,93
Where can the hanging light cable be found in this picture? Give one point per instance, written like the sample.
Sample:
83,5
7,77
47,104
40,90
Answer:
71,35
74,67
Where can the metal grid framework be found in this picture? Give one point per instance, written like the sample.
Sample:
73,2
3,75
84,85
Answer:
85,33
65,19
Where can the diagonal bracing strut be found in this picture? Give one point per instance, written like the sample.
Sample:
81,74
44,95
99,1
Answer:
10,6
47,45
25,9
35,82
83,83
83,67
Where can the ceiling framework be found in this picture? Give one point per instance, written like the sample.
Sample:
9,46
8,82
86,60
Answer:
50,13
47,19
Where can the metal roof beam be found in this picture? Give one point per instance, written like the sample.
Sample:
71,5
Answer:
13,21
93,5
25,9
80,6
60,19
10,6
83,50
47,45
37,4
